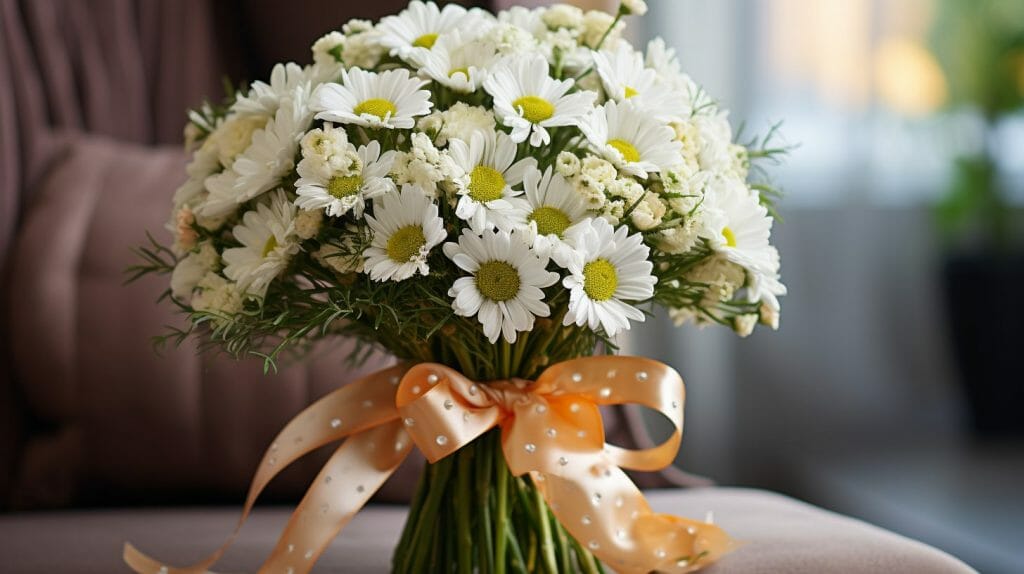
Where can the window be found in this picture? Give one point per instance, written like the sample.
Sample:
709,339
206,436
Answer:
854,81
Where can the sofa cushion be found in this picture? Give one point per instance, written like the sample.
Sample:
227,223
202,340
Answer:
778,534
115,421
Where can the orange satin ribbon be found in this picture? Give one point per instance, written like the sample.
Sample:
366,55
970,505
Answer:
550,428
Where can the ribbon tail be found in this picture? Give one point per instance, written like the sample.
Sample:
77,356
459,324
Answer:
357,409
353,474
139,562
607,514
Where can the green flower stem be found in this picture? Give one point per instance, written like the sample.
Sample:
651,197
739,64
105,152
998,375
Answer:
518,563
590,69
501,493
564,550
400,561
465,362
517,352
463,504
506,359
426,525
547,542
484,467
586,559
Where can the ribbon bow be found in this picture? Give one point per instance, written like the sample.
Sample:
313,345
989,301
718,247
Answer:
550,428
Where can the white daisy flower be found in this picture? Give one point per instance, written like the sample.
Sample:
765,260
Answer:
419,26
505,289
389,99
738,226
405,228
529,101
261,166
554,207
456,63
338,189
285,79
488,200
632,140
607,267
267,235
625,77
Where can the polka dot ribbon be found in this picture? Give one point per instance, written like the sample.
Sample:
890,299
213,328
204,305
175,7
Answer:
551,428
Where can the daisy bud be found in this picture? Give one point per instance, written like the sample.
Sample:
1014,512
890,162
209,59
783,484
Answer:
744,324
637,7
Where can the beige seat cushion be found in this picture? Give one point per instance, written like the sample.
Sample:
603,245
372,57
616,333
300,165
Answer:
780,535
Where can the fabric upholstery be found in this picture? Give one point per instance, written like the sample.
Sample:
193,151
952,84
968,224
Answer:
123,69
778,534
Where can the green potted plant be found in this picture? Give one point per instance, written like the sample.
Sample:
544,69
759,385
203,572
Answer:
980,46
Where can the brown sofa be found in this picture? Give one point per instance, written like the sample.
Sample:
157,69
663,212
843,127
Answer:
118,442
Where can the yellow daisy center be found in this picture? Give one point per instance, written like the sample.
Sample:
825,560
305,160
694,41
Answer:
629,153
550,220
376,107
462,70
270,245
600,280
425,41
341,187
486,184
630,91
498,281
534,109
730,237
405,243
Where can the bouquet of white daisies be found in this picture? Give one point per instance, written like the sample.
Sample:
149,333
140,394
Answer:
495,193
448,184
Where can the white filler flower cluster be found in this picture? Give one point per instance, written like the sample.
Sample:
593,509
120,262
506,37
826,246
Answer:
525,166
